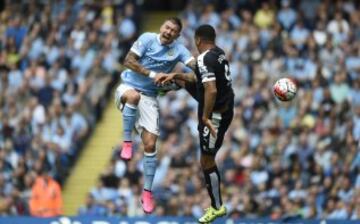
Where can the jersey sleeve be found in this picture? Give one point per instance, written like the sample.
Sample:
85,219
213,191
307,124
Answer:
140,45
206,65
185,55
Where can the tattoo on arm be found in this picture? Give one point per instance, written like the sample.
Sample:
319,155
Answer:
132,62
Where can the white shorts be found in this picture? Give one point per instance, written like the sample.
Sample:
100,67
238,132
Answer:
148,110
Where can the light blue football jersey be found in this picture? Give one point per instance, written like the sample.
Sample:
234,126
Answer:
154,57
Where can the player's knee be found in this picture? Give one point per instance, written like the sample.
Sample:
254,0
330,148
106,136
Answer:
132,97
207,161
149,147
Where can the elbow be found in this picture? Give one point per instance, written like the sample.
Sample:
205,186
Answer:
126,63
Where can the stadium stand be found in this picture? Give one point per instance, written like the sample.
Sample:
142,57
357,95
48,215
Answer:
58,64
279,160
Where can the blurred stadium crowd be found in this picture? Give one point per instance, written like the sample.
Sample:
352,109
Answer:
58,62
300,158
279,160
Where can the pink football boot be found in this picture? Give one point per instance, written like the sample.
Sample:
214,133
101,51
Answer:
147,201
126,151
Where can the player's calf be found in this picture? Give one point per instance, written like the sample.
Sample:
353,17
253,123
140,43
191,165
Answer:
129,119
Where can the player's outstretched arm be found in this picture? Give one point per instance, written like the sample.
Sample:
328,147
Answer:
162,79
187,77
132,62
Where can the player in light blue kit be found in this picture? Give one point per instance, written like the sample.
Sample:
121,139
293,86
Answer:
151,55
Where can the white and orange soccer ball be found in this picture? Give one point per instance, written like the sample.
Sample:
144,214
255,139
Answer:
285,89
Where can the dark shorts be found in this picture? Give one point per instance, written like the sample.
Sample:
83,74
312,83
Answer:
191,89
221,121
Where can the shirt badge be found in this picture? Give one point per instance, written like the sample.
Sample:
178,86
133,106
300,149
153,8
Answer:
170,52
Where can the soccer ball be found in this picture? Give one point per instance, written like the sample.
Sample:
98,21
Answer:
285,89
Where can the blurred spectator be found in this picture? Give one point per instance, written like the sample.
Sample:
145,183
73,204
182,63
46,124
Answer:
286,15
265,16
209,16
91,208
299,34
58,63
46,199
339,89
16,31
320,34
339,28
126,28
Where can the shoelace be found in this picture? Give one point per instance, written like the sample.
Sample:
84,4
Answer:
208,209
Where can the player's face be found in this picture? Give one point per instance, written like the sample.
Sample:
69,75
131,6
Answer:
169,31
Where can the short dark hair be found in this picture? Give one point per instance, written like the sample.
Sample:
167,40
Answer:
205,32
176,21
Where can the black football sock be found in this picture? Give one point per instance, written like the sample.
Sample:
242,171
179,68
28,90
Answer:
212,179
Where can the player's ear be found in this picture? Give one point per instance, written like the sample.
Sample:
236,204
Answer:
197,41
